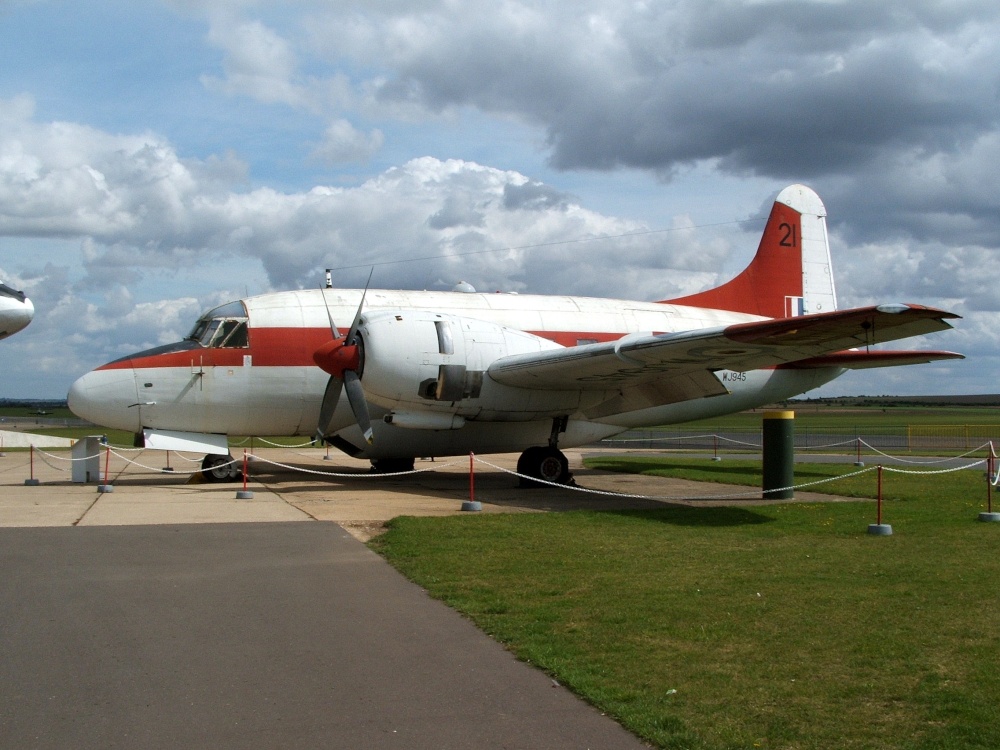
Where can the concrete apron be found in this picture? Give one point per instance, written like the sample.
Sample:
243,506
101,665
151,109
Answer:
306,486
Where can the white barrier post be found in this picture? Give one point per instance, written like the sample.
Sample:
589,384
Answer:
107,486
989,515
879,528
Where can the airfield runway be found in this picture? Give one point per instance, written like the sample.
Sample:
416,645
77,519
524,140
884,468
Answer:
170,614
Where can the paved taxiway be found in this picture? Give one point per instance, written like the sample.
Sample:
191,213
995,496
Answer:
168,614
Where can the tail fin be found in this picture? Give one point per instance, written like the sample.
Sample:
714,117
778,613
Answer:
791,273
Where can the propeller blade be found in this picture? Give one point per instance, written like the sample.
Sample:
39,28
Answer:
333,328
357,316
330,398
356,398
341,357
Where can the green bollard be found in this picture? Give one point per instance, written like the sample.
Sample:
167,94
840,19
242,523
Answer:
779,454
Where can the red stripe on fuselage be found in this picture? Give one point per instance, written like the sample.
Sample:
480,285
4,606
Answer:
294,347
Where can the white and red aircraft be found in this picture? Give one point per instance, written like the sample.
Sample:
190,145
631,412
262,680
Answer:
391,375
16,311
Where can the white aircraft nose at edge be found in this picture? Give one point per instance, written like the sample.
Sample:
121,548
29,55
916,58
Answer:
16,311
390,375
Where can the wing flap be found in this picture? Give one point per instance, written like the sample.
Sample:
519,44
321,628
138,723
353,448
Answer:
644,358
863,360
666,390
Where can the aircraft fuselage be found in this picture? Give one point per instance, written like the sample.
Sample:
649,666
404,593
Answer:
268,383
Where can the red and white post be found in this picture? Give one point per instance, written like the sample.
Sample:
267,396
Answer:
472,504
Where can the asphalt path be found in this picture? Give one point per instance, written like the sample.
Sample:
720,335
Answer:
263,635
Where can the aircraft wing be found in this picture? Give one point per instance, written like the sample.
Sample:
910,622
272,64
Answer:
670,367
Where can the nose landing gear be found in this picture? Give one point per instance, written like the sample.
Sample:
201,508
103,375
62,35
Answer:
219,468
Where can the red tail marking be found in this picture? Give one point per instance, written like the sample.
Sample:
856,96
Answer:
774,274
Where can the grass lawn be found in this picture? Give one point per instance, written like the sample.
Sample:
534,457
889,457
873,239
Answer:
782,626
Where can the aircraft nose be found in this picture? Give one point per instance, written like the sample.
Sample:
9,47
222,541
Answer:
27,313
106,397
16,315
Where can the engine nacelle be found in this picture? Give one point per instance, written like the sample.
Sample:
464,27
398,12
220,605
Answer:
418,361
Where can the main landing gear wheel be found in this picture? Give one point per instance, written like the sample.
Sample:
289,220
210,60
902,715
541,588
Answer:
548,464
217,468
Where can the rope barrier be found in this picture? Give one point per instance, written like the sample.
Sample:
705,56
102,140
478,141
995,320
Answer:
920,462
61,458
182,457
731,496
42,455
896,470
369,475
655,440
994,477
128,460
282,445
826,445
679,437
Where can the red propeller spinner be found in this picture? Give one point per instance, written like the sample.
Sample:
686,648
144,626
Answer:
336,356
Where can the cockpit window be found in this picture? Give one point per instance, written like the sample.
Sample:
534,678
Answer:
223,327
233,334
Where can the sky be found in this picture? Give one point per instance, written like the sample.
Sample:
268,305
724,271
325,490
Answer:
161,157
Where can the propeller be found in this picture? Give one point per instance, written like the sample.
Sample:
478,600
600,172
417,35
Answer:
343,358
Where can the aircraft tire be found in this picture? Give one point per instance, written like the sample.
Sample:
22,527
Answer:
214,468
545,463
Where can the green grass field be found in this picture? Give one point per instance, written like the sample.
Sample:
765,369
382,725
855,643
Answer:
781,626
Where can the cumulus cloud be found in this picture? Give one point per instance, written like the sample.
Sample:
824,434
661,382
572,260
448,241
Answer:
258,63
136,204
136,211
651,84
889,106
875,98
342,142
889,110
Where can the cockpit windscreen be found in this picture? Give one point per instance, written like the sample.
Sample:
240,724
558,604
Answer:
222,328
